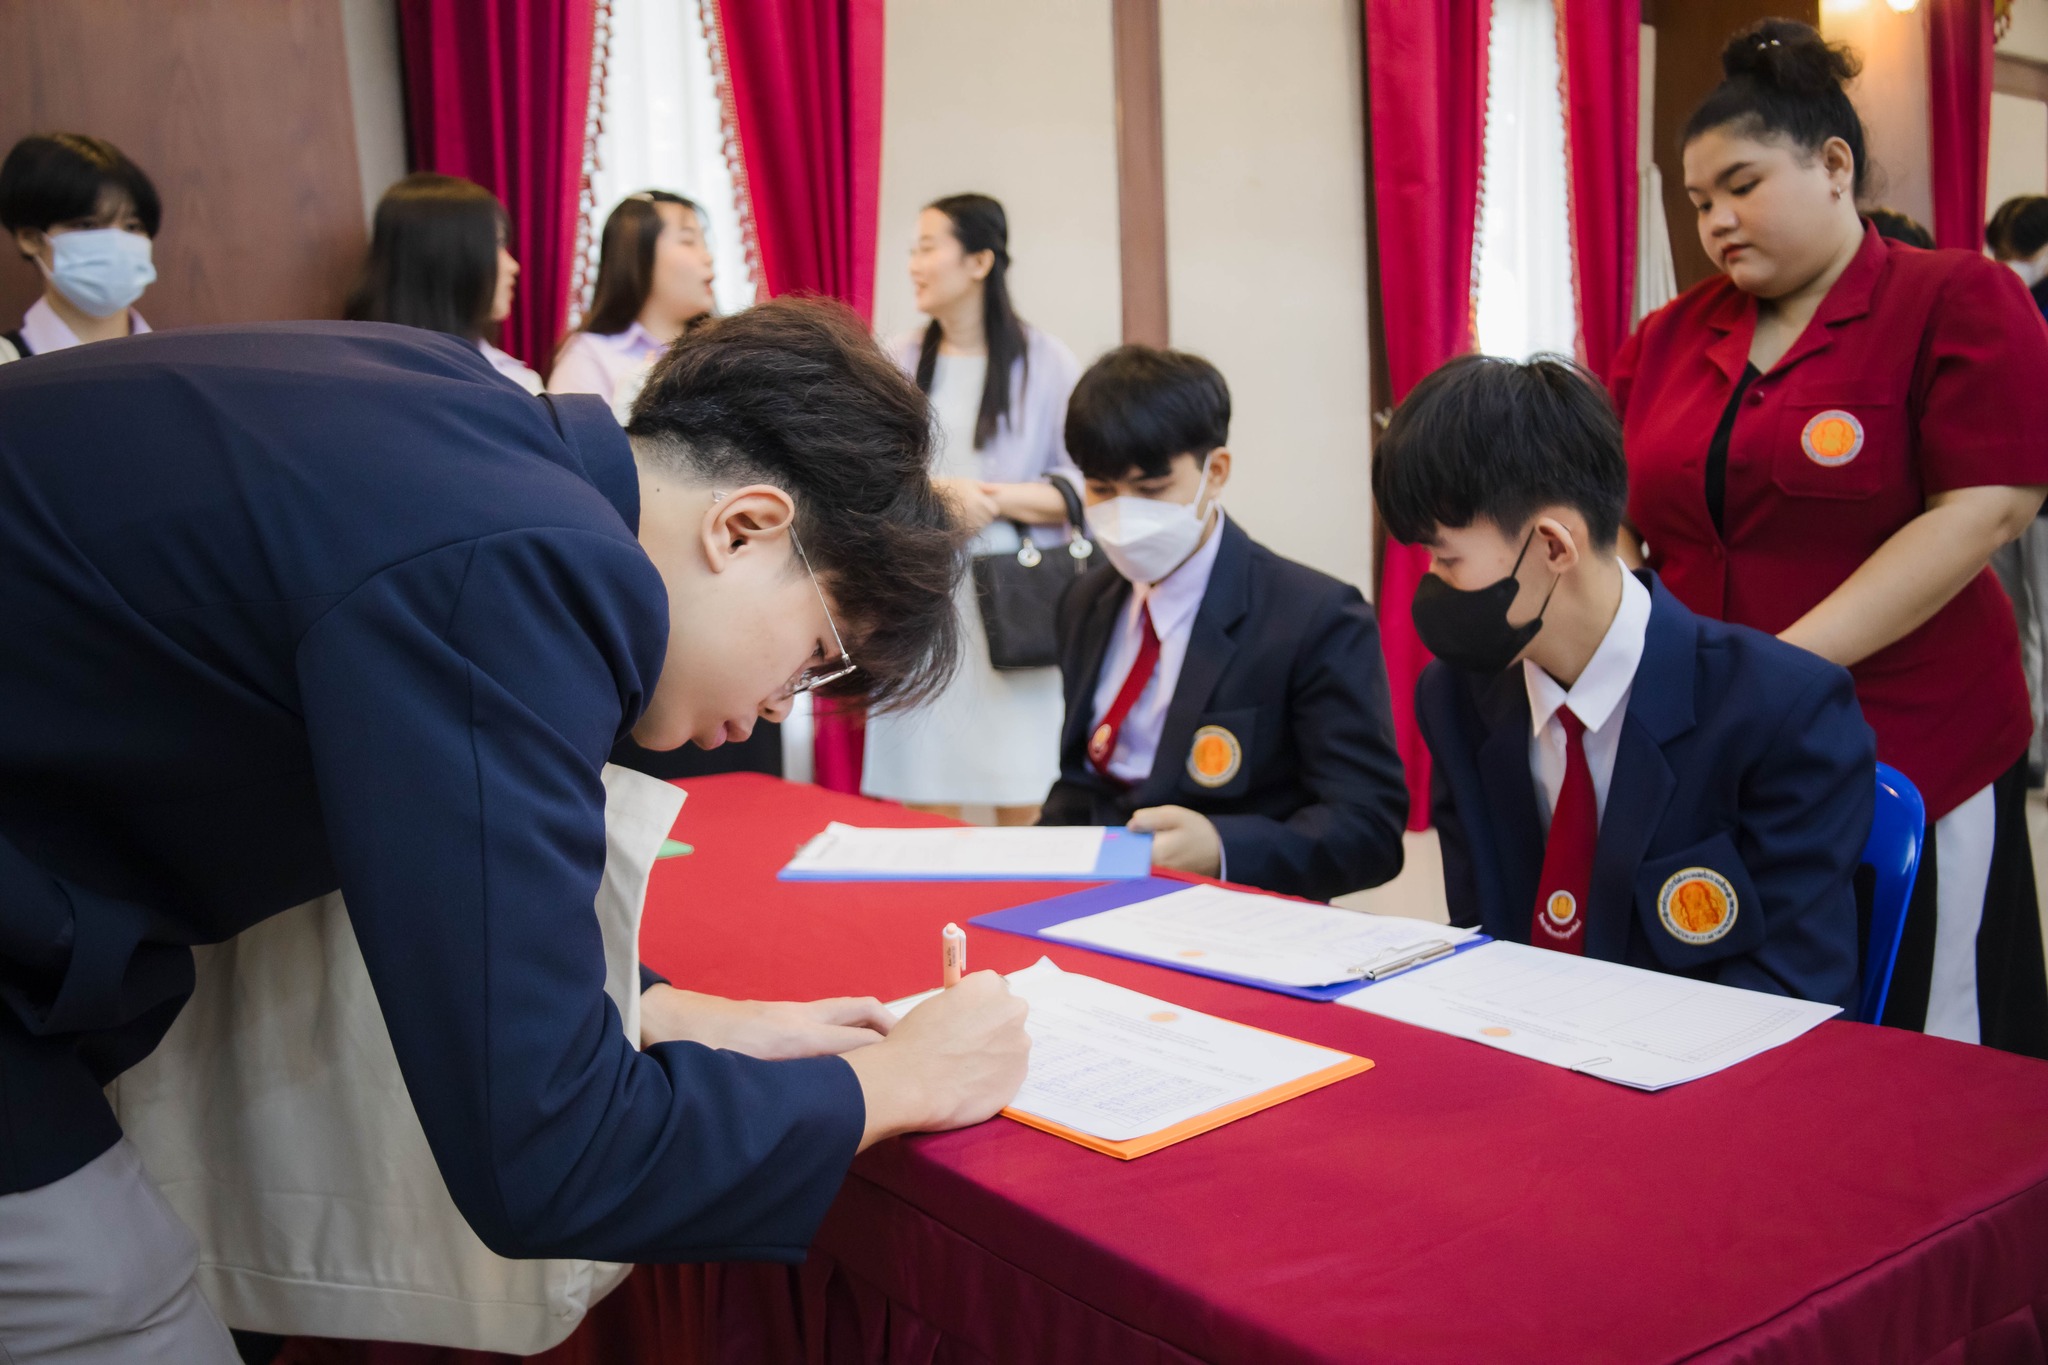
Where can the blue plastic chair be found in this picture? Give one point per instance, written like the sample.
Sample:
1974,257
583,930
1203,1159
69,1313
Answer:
1893,852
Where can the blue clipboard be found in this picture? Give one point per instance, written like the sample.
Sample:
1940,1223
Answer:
1125,855
1032,920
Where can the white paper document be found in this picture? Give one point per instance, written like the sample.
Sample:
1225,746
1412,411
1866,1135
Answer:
1118,1065
856,852
1638,1028
1290,943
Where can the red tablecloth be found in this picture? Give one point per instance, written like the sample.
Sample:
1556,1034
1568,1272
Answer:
1860,1195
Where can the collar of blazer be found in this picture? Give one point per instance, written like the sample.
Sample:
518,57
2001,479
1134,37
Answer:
1660,708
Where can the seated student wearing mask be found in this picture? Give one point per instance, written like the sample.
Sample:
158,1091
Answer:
87,217
1614,776
330,605
1228,701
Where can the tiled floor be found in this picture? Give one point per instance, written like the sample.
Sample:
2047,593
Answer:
1419,890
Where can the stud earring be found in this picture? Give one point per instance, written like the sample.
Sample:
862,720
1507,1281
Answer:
1837,191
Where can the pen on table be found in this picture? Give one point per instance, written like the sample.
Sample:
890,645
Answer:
952,954
1428,952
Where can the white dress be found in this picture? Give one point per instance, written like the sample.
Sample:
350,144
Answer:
992,737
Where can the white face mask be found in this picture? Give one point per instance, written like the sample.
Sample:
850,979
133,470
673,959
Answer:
101,270
1147,539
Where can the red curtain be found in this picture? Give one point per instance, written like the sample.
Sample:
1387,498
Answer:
1426,83
1959,41
804,84
1597,52
499,93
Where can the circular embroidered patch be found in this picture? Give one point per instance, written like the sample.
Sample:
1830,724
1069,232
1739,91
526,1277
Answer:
1697,906
1215,756
1832,438
1561,914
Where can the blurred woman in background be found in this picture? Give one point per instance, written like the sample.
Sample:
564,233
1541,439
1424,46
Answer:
439,260
654,278
87,217
999,392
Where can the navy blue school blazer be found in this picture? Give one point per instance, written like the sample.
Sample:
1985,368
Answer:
1741,756
1286,661
310,606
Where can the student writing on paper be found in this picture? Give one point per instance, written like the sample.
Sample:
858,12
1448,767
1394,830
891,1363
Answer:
1228,701
335,605
1613,775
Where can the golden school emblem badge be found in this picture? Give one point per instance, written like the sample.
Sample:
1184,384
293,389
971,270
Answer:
1561,914
1697,906
1215,756
1832,438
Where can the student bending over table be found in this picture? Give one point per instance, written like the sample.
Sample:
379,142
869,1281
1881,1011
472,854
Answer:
1231,702
1649,786
318,605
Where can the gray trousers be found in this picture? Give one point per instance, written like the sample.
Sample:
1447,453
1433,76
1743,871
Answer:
2023,568
95,1269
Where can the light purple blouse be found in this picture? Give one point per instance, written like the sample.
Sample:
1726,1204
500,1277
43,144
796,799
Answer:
594,362
1031,441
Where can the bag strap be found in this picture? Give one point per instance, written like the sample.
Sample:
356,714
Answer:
14,342
1075,515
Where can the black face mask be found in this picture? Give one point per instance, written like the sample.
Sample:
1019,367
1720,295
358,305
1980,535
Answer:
1468,627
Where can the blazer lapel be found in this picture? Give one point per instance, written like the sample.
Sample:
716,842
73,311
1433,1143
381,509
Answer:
1659,710
1517,825
1098,625
1211,645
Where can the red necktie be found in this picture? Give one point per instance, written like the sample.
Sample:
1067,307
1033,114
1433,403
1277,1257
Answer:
1560,920
1102,744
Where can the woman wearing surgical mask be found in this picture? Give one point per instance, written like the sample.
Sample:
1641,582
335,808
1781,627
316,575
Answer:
440,260
1828,442
653,281
999,400
85,216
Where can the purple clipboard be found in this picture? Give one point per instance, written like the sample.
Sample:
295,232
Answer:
1032,920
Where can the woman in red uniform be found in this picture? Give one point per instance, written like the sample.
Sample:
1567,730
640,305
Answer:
1827,442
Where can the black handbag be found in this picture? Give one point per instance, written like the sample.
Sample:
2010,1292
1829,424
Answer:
1019,591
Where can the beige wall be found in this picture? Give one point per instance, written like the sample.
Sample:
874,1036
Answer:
1018,101
1891,96
2019,150
2028,36
1265,233
1265,166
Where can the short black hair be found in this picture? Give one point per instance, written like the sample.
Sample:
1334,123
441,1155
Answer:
795,393
1485,438
1900,227
1780,77
433,261
1140,406
2018,228
54,178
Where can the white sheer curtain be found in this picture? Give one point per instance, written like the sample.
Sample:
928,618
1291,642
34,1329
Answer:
661,131
1526,304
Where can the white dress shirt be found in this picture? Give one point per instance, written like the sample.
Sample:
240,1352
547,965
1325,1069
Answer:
1176,600
1599,699
45,332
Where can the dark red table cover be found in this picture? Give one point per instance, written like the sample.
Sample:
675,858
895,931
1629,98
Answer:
1861,1195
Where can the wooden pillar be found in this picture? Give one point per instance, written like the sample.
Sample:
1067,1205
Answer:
1141,170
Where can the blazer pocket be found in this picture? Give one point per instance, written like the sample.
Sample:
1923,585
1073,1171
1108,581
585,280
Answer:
1838,447
1698,906
1218,761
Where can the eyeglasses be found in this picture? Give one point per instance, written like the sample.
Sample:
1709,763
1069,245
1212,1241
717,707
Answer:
816,676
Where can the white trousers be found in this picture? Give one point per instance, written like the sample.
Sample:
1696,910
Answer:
1962,867
95,1269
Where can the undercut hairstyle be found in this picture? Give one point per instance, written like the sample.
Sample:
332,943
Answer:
1900,227
1140,406
625,263
433,259
55,178
2019,228
1781,79
979,224
796,394
1485,439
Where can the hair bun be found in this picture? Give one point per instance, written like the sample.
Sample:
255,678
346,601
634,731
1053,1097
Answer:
1787,55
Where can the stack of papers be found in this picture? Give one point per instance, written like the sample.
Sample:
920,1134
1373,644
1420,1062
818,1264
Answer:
1070,853
1623,1024
1263,938
1126,1074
